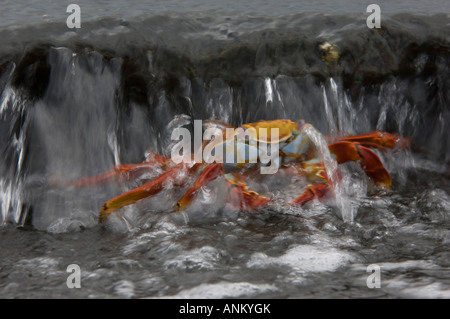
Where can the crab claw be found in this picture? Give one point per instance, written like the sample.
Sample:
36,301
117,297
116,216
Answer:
151,188
379,140
313,191
369,161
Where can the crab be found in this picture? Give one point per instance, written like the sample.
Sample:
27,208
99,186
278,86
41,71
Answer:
298,154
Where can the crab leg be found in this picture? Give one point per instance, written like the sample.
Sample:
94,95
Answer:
210,173
238,194
240,197
311,192
120,172
315,171
124,172
149,189
369,161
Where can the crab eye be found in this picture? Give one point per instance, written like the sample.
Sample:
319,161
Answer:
300,124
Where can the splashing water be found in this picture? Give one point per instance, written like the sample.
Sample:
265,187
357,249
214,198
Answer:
342,201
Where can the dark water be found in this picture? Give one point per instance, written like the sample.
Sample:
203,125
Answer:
76,103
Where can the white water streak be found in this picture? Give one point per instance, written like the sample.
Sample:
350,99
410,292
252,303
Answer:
114,146
273,94
11,203
329,113
331,166
268,89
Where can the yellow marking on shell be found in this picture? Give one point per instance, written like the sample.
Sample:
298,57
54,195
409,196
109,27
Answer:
285,129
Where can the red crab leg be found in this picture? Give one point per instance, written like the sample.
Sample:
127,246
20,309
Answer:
379,140
124,172
314,171
369,161
210,173
151,188
240,197
118,172
311,192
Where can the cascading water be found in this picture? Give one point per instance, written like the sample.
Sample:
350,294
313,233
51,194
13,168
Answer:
332,169
76,103
11,182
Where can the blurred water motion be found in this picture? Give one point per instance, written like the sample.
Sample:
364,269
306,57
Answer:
75,104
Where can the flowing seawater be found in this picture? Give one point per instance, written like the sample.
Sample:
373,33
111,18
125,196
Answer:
75,103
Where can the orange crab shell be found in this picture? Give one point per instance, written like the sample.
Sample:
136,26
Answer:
285,130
